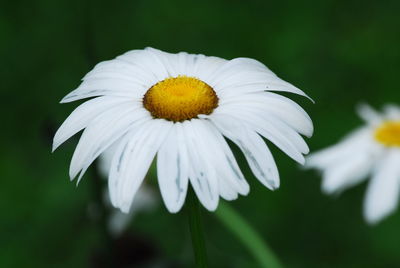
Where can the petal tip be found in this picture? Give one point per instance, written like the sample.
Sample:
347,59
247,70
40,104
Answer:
372,218
173,210
125,209
64,100
301,160
54,146
327,189
246,191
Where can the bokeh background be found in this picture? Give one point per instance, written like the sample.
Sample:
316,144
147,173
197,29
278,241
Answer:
339,52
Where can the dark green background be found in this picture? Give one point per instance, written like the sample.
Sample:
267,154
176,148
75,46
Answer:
339,52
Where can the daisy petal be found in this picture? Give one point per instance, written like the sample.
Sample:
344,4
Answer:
243,78
106,87
226,191
368,114
202,175
281,107
383,192
227,72
221,156
185,62
253,147
349,172
193,64
112,125
205,67
168,60
291,147
146,61
120,69
132,160
173,169
267,125
83,115
392,112
105,159
359,139
250,74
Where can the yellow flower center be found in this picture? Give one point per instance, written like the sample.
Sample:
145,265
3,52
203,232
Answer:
180,98
388,133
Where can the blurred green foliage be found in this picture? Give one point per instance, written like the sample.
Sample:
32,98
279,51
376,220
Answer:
339,52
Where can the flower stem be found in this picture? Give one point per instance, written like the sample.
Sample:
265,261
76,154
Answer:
247,235
196,231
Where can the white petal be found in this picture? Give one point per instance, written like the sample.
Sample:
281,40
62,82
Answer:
230,69
105,159
108,87
168,60
206,66
383,191
284,138
348,172
368,114
132,161
159,60
112,125
253,147
243,78
194,63
83,115
202,175
173,169
358,140
112,76
120,69
279,106
266,124
220,156
226,190
145,60
251,86
185,62
242,73
392,112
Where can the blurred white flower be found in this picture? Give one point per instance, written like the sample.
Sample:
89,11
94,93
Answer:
145,199
180,107
371,149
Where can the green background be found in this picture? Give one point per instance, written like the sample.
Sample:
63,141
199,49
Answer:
338,52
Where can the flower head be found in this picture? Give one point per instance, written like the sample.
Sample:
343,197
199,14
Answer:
373,149
180,107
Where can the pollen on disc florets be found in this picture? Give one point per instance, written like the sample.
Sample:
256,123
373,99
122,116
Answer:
388,133
180,98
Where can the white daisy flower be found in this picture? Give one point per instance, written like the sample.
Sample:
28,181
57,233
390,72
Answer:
179,107
371,149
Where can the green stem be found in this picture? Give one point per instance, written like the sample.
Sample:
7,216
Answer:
247,235
196,231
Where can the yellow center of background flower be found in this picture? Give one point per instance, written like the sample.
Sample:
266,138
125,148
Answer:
180,98
388,133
